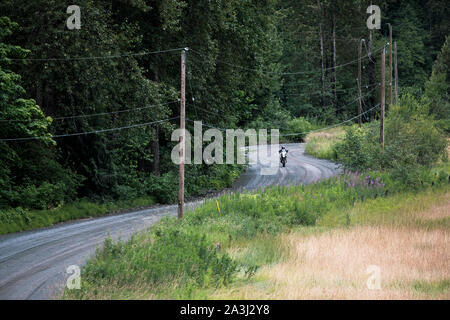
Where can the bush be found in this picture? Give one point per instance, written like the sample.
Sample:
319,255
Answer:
354,151
412,139
299,125
44,196
163,188
188,253
171,255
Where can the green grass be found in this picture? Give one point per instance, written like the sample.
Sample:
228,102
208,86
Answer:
208,249
397,209
320,144
18,219
433,288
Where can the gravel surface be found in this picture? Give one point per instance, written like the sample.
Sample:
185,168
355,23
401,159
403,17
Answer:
33,264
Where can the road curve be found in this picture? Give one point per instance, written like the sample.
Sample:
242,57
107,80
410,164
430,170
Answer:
33,264
300,168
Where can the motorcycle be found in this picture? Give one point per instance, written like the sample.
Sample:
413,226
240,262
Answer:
283,157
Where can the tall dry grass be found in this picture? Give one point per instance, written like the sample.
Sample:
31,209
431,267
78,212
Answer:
414,262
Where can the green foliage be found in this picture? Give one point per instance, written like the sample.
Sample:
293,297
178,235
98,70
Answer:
413,56
177,258
354,150
176,253
438,87
412,139
29,176
183,256
299,125
164,188
321,144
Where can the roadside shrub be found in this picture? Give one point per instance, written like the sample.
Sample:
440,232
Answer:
188,253
299,125
354,151
412,139
410,178
44,196
168,254
13,219
163,188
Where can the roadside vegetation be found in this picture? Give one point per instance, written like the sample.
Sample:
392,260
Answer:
312,241
320,144
150,193
404,235
19,219
224,247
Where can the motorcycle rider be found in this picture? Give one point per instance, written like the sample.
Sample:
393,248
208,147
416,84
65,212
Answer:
283,152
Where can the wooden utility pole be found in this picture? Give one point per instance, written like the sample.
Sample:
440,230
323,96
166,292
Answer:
383,80
372,71
183,134
359,82
390,64
395,73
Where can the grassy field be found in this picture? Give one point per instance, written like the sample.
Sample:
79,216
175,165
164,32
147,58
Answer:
297,242
408,241
319,144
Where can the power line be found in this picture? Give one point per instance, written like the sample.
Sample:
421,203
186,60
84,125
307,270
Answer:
205,110
343,30
287,73
89,132
323,107
92,114
297,133
330,127
94,57
320,93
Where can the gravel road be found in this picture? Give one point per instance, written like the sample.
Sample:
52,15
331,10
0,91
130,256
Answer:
33,264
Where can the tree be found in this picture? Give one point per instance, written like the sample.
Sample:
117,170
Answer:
438,87
412,55
92,86
28,167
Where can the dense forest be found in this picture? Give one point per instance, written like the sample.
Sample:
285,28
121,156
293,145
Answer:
89,112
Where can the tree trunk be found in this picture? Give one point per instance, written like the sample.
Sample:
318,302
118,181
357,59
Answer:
334,62
155,143
155,151
39,94
319,9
